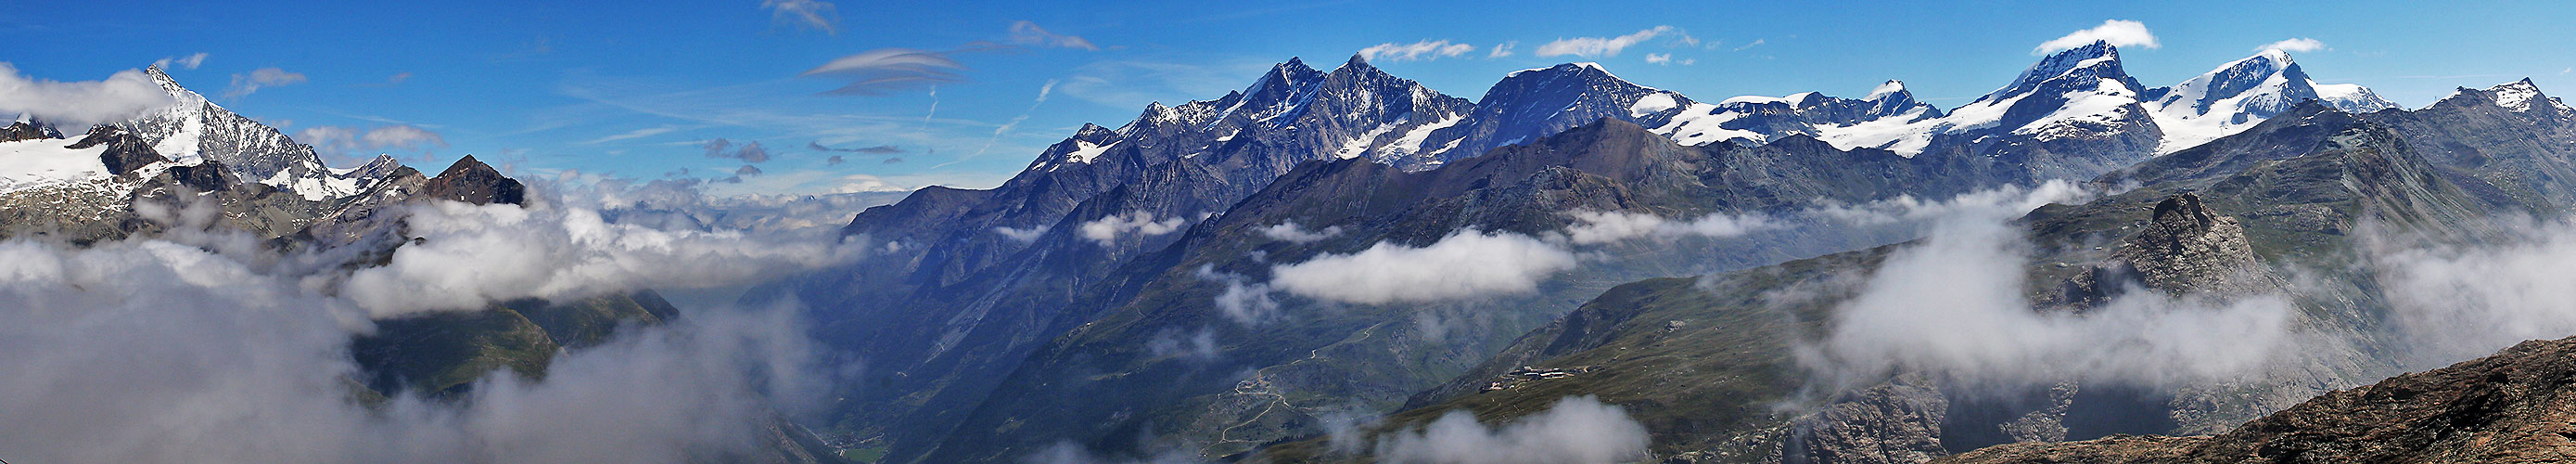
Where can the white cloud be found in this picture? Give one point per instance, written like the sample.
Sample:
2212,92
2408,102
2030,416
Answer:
810,14
471,254
1956,305
1502,49
857,183
184,62
1574,430
2119,33
2458,302
633,134
1288,231
1596,227
886,70
1021,235
244,85
1589,47
1028,33
1423,50
1107,229
1659,58
2298,45
1242,301
343,140
187,355
1464,265
76,105
2008,200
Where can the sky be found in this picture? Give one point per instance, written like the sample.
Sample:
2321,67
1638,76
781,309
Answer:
966,93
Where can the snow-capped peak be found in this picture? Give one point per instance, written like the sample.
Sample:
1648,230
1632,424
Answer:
2516,95
1885,90
2079,68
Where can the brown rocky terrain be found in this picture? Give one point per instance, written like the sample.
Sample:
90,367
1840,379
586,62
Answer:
2517,406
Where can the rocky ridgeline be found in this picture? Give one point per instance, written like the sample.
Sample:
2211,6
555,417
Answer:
2517,406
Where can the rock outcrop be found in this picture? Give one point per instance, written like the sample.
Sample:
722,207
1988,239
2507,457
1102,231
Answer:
471,181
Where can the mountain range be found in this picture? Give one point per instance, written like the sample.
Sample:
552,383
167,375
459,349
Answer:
1328,265
1124,292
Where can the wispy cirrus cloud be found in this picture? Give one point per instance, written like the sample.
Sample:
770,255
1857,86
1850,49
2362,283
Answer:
886,70
875,150
1028,33
244,84
633,134
809,14
1590,47
1422,50
345,140
181,62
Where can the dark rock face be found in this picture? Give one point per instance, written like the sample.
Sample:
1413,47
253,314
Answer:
24,130
2516,406
472,181
125,152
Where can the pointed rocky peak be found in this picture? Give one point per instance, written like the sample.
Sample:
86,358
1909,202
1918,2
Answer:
2182,214
1094,133
2075,69
1356,63
471,181
1282,79
1890,90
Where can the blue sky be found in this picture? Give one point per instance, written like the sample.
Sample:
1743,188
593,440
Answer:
638,89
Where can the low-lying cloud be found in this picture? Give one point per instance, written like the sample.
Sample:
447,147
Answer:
1106,230
1956,306
1468,263
1289,231
180,354
469,254
2454,302
1577,429
1597,227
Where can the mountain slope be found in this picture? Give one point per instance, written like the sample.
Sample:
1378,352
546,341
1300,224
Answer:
1701,363
2510,407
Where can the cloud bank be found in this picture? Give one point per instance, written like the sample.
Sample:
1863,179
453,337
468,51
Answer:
79,104
1574,430
180,354
1956,306
1467,263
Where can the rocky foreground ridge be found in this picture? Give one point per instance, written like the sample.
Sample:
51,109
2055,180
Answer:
2516,406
